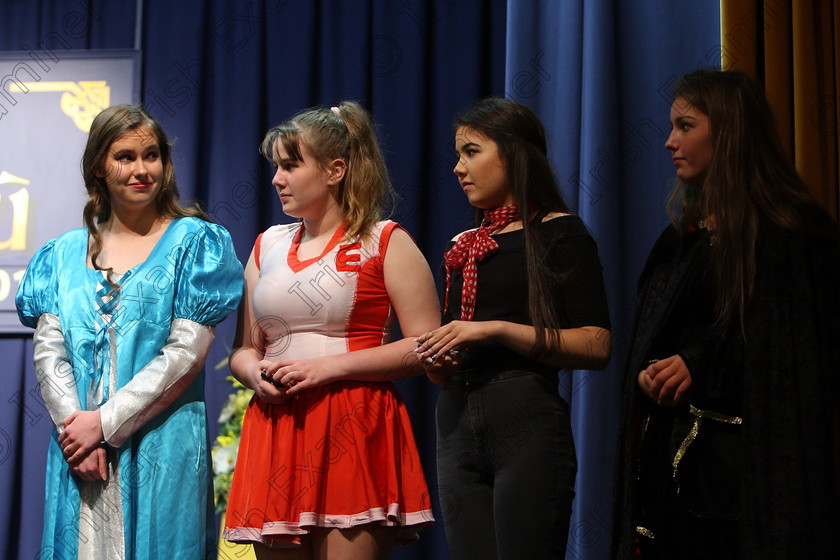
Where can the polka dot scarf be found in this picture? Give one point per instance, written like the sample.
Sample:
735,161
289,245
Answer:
473,246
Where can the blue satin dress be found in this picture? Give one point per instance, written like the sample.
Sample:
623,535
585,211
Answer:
158,501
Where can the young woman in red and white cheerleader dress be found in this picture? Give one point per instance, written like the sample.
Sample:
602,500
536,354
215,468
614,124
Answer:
327,463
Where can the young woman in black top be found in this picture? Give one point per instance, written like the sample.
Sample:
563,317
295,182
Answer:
524,297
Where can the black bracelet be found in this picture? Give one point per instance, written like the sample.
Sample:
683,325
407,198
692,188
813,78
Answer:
270,379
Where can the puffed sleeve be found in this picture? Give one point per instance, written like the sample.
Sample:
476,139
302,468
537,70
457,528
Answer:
210,280
208,287
39,286
36,303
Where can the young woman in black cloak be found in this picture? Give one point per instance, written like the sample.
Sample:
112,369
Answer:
731,387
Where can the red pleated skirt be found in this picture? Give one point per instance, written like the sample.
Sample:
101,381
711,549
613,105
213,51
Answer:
336,456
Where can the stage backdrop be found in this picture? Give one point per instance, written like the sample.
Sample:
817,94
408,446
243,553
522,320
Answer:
218,74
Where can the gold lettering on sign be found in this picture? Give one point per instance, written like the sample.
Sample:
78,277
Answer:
81,101
5,285
20,212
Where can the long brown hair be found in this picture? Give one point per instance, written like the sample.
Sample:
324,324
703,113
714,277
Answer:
520,137
107,127
347,133
750,181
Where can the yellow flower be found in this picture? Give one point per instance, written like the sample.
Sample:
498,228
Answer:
226,445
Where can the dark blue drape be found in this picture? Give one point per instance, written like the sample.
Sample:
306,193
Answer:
218,74
599,74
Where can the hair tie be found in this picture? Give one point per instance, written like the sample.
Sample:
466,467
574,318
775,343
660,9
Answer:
335,110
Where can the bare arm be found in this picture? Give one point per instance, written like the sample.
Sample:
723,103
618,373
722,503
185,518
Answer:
411,290
247,358
579,348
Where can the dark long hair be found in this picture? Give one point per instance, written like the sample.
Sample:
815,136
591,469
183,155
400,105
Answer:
520,138
750,181
106,128
347,133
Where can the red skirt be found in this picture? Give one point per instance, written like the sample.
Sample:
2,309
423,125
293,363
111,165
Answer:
336,456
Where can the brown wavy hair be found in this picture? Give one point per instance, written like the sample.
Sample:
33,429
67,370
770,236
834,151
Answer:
751,180
107,127
365,193
520,137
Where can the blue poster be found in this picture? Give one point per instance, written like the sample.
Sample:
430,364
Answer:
47,102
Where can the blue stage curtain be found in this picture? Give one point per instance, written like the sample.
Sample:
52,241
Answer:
599,74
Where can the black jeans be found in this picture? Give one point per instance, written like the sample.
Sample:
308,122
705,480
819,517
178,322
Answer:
506,466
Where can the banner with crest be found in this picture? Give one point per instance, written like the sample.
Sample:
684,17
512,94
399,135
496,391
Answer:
47,102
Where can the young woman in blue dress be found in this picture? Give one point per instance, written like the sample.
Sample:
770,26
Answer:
124,313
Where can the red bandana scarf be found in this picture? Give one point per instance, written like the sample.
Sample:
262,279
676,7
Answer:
473,246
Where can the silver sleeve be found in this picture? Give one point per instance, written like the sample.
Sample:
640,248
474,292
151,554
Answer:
159,383
54,371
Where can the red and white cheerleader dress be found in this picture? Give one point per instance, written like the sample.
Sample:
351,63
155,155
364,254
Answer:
342,454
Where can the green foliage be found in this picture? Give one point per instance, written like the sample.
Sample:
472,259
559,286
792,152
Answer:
227,443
